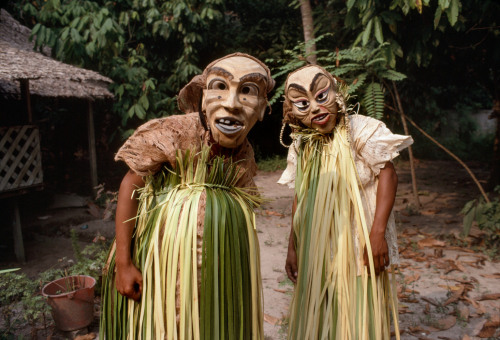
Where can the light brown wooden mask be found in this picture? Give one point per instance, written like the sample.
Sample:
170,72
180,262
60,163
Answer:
234,98
311,98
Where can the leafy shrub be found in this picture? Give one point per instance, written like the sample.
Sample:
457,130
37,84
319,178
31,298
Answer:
21,300
487,217
19,292
272,163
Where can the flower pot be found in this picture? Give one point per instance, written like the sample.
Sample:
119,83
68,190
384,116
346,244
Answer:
72,301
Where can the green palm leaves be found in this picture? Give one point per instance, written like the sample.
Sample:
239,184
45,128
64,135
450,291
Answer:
196,246
335,298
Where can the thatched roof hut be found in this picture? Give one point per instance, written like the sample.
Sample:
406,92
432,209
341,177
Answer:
25,72
47,77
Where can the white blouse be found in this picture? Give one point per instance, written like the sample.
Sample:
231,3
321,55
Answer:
373,145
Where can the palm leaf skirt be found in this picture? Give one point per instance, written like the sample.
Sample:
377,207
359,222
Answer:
335,297
196,245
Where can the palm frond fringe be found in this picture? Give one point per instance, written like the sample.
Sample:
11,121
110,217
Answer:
335,297
195,243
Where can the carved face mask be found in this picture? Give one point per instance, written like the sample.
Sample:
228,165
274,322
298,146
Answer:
234,99
311,97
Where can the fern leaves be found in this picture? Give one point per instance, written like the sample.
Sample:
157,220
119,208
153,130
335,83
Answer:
373,100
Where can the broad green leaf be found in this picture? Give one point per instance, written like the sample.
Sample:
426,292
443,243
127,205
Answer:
367,32
140,111
452,12
444,4
392,75
144,102
468,219
437,17
378,30
131,111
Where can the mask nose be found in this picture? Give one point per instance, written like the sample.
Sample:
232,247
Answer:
232,102
315,107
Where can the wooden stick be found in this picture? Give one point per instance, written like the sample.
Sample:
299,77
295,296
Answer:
445,150
410,150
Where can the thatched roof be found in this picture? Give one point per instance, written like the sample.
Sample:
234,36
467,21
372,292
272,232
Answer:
48,77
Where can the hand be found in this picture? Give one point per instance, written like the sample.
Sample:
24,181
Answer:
291,263
129,281
380,252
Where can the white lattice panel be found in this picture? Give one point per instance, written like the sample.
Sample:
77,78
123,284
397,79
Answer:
20,158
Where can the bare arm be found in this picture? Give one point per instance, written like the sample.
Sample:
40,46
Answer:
386,195
128,277
291,257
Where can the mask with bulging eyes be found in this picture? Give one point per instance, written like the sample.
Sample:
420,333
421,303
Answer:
311,98
234,99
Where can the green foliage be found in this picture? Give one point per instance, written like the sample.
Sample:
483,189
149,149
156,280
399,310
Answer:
380,21
20,295
374,100
19,291
272,163
487,217
135,43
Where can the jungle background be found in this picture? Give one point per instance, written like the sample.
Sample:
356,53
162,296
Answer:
426,68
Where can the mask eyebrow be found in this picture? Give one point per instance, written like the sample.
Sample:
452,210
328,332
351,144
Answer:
220,72
315,79
257,77
297,87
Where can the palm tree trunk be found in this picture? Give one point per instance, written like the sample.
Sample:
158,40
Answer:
308,25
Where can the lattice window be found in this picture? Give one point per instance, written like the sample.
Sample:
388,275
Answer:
20,158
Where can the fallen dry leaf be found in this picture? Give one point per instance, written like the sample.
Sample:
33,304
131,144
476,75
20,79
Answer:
452,288
466,337
89,336
460,266
430,211
282,290
490,327
272,320
411,291
467,250
494,296
491,276
412,278
273,213
479,309
446,322
430,242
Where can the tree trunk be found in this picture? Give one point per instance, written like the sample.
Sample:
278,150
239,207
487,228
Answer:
308,25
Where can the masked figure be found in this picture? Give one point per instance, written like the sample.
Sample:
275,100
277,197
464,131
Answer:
186,257
343,233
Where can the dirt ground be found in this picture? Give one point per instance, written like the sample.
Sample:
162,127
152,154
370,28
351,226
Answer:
445,289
